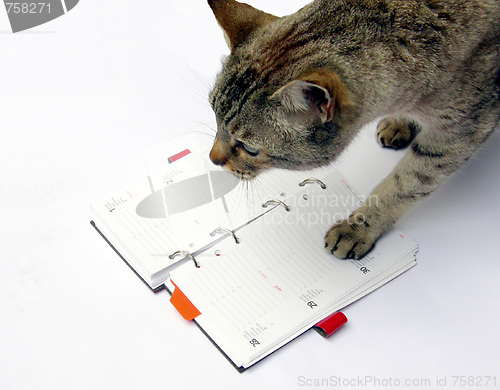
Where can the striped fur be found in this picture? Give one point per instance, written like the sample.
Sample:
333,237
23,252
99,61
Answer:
295,91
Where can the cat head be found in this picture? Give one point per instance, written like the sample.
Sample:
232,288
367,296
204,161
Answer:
273,107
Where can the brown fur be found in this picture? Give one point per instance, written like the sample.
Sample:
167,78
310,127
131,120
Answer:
296,90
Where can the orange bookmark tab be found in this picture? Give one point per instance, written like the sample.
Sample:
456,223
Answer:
183,305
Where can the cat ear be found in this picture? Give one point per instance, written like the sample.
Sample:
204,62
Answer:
318,91
238,20
301,96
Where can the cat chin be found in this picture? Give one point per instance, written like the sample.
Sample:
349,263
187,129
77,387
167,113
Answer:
246,177
243,175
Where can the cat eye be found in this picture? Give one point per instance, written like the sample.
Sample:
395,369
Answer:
251,151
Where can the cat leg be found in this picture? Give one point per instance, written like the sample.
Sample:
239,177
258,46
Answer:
396,133
426,164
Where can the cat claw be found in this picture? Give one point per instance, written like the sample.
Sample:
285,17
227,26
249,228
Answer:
349,240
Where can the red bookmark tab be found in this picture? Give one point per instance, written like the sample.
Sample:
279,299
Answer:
330,324
179,155
183,305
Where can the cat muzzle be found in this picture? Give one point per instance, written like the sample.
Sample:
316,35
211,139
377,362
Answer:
217,157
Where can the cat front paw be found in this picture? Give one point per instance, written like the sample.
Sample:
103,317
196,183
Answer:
350,239
395,133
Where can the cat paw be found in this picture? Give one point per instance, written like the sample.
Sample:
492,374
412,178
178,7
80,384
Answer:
350,239
395,133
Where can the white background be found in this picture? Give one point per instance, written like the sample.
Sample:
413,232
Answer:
85,94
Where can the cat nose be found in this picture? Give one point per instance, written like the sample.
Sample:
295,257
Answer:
217,157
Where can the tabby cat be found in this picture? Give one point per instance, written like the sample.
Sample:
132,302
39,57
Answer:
295,90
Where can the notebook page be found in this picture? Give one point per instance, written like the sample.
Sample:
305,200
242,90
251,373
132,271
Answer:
150,221
178,207
247,199
400,267
279,278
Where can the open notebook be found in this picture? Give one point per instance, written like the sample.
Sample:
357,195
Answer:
246,261
277,282
179,207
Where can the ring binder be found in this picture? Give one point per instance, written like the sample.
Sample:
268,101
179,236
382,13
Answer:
275,201
185,254
221,230
313,180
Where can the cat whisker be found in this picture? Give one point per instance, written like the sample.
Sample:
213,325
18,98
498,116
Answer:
203,81
202,87
206,125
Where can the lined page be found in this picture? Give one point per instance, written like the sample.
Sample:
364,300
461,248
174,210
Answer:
175,209
279,279
178,207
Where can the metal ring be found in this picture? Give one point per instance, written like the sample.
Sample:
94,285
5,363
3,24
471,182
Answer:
185,254
221,230
313,180
275,201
